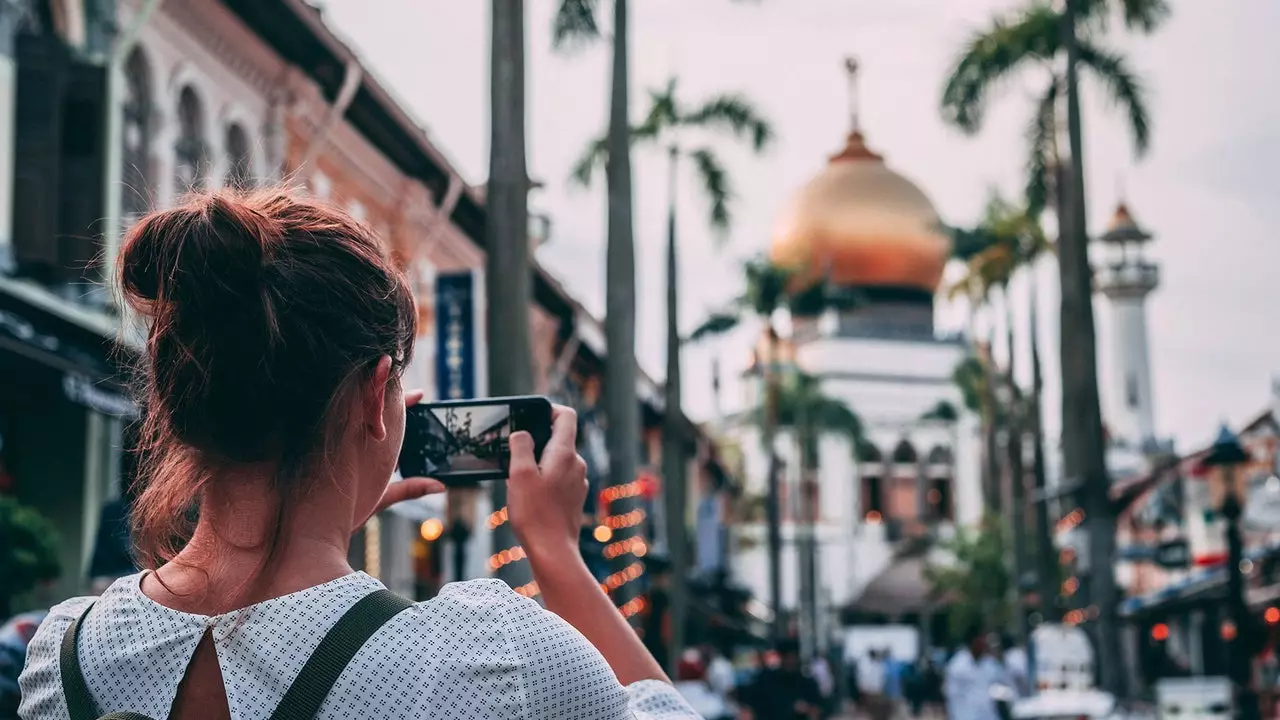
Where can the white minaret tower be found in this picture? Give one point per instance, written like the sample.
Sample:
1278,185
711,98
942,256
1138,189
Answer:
1127,278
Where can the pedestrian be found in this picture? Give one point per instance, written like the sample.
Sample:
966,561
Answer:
967,684
820,670
872,681
278,331
784,692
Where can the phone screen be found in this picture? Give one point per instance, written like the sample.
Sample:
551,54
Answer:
469,441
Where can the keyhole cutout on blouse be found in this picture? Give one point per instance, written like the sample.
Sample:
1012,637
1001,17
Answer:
202,694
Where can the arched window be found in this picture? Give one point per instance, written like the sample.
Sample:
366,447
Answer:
239,158
904,453
868,452
190,149
135,198
940,455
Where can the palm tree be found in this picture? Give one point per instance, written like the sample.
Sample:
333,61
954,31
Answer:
1012,240
1037,39
810,414
766,293
576,24
509,287
669,121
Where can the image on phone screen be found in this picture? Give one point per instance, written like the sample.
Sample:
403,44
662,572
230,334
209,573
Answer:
467,439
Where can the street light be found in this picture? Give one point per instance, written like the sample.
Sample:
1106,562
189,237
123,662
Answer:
1227,454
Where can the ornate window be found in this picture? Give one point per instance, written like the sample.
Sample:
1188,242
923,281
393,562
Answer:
136,131
239,158
190,149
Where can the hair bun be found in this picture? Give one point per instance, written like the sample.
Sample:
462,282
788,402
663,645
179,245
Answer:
208,255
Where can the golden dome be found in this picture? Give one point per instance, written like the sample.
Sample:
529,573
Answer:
860,224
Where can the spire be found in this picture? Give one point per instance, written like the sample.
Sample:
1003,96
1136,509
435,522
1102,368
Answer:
851,68
855,147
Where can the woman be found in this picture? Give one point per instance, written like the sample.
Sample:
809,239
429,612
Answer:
278,330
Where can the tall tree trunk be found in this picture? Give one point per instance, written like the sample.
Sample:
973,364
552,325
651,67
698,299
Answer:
674,490
1017,475
1046,559
1083,443
773,501
508,279
622,405
994,489
806,529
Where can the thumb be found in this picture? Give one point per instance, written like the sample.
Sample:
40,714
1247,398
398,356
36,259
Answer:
522,460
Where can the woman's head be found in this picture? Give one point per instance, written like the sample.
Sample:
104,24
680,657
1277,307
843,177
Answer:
278,328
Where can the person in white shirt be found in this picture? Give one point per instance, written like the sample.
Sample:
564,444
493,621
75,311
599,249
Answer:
872,677
968,680
278,332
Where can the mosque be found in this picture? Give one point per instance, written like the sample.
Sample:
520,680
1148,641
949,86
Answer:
865,231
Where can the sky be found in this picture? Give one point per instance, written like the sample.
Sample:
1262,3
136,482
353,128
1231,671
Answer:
1205,190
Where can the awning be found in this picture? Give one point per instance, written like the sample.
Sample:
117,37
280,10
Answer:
900,588
87,360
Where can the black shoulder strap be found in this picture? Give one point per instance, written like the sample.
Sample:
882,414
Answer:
74,690
342,642
303,699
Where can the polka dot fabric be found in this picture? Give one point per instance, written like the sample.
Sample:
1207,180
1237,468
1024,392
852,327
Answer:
477,651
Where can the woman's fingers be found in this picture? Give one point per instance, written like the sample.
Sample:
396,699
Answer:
413,397
409,489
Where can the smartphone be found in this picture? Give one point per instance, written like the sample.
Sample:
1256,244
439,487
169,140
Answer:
463,442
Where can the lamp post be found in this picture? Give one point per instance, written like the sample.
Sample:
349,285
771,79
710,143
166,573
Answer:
1226,455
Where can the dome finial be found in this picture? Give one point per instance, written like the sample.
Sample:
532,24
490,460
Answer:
851,68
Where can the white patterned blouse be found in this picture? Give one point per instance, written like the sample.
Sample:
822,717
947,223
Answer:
477,651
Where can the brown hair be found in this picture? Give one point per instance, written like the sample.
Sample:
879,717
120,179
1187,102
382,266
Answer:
263,309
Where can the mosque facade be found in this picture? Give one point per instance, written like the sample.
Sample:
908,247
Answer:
872,239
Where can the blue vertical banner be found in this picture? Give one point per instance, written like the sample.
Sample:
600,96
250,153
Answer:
456,345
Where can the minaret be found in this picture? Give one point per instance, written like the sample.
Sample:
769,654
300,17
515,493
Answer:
1127,278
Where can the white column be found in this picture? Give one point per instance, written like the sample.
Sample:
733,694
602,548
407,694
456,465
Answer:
1132,418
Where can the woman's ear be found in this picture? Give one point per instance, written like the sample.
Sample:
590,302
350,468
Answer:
374,398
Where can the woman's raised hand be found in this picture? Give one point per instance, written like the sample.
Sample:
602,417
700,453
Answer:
545,499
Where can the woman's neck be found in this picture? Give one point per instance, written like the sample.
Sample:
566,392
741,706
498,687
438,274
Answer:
245,551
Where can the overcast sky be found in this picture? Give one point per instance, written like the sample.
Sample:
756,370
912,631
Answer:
1206,190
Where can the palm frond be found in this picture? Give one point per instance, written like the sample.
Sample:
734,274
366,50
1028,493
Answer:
716,324
992,57
967,242
1123,87
715,184
1042,160
1144,16
575,24
734,113
766,286
595,155
662,113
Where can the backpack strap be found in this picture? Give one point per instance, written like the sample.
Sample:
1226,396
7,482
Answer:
74,689
303,699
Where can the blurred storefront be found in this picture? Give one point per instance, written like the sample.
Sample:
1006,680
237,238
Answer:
1172,563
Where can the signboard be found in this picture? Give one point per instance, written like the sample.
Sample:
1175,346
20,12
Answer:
456,346
1172,555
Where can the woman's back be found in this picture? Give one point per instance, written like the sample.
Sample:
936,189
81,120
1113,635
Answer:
477,651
